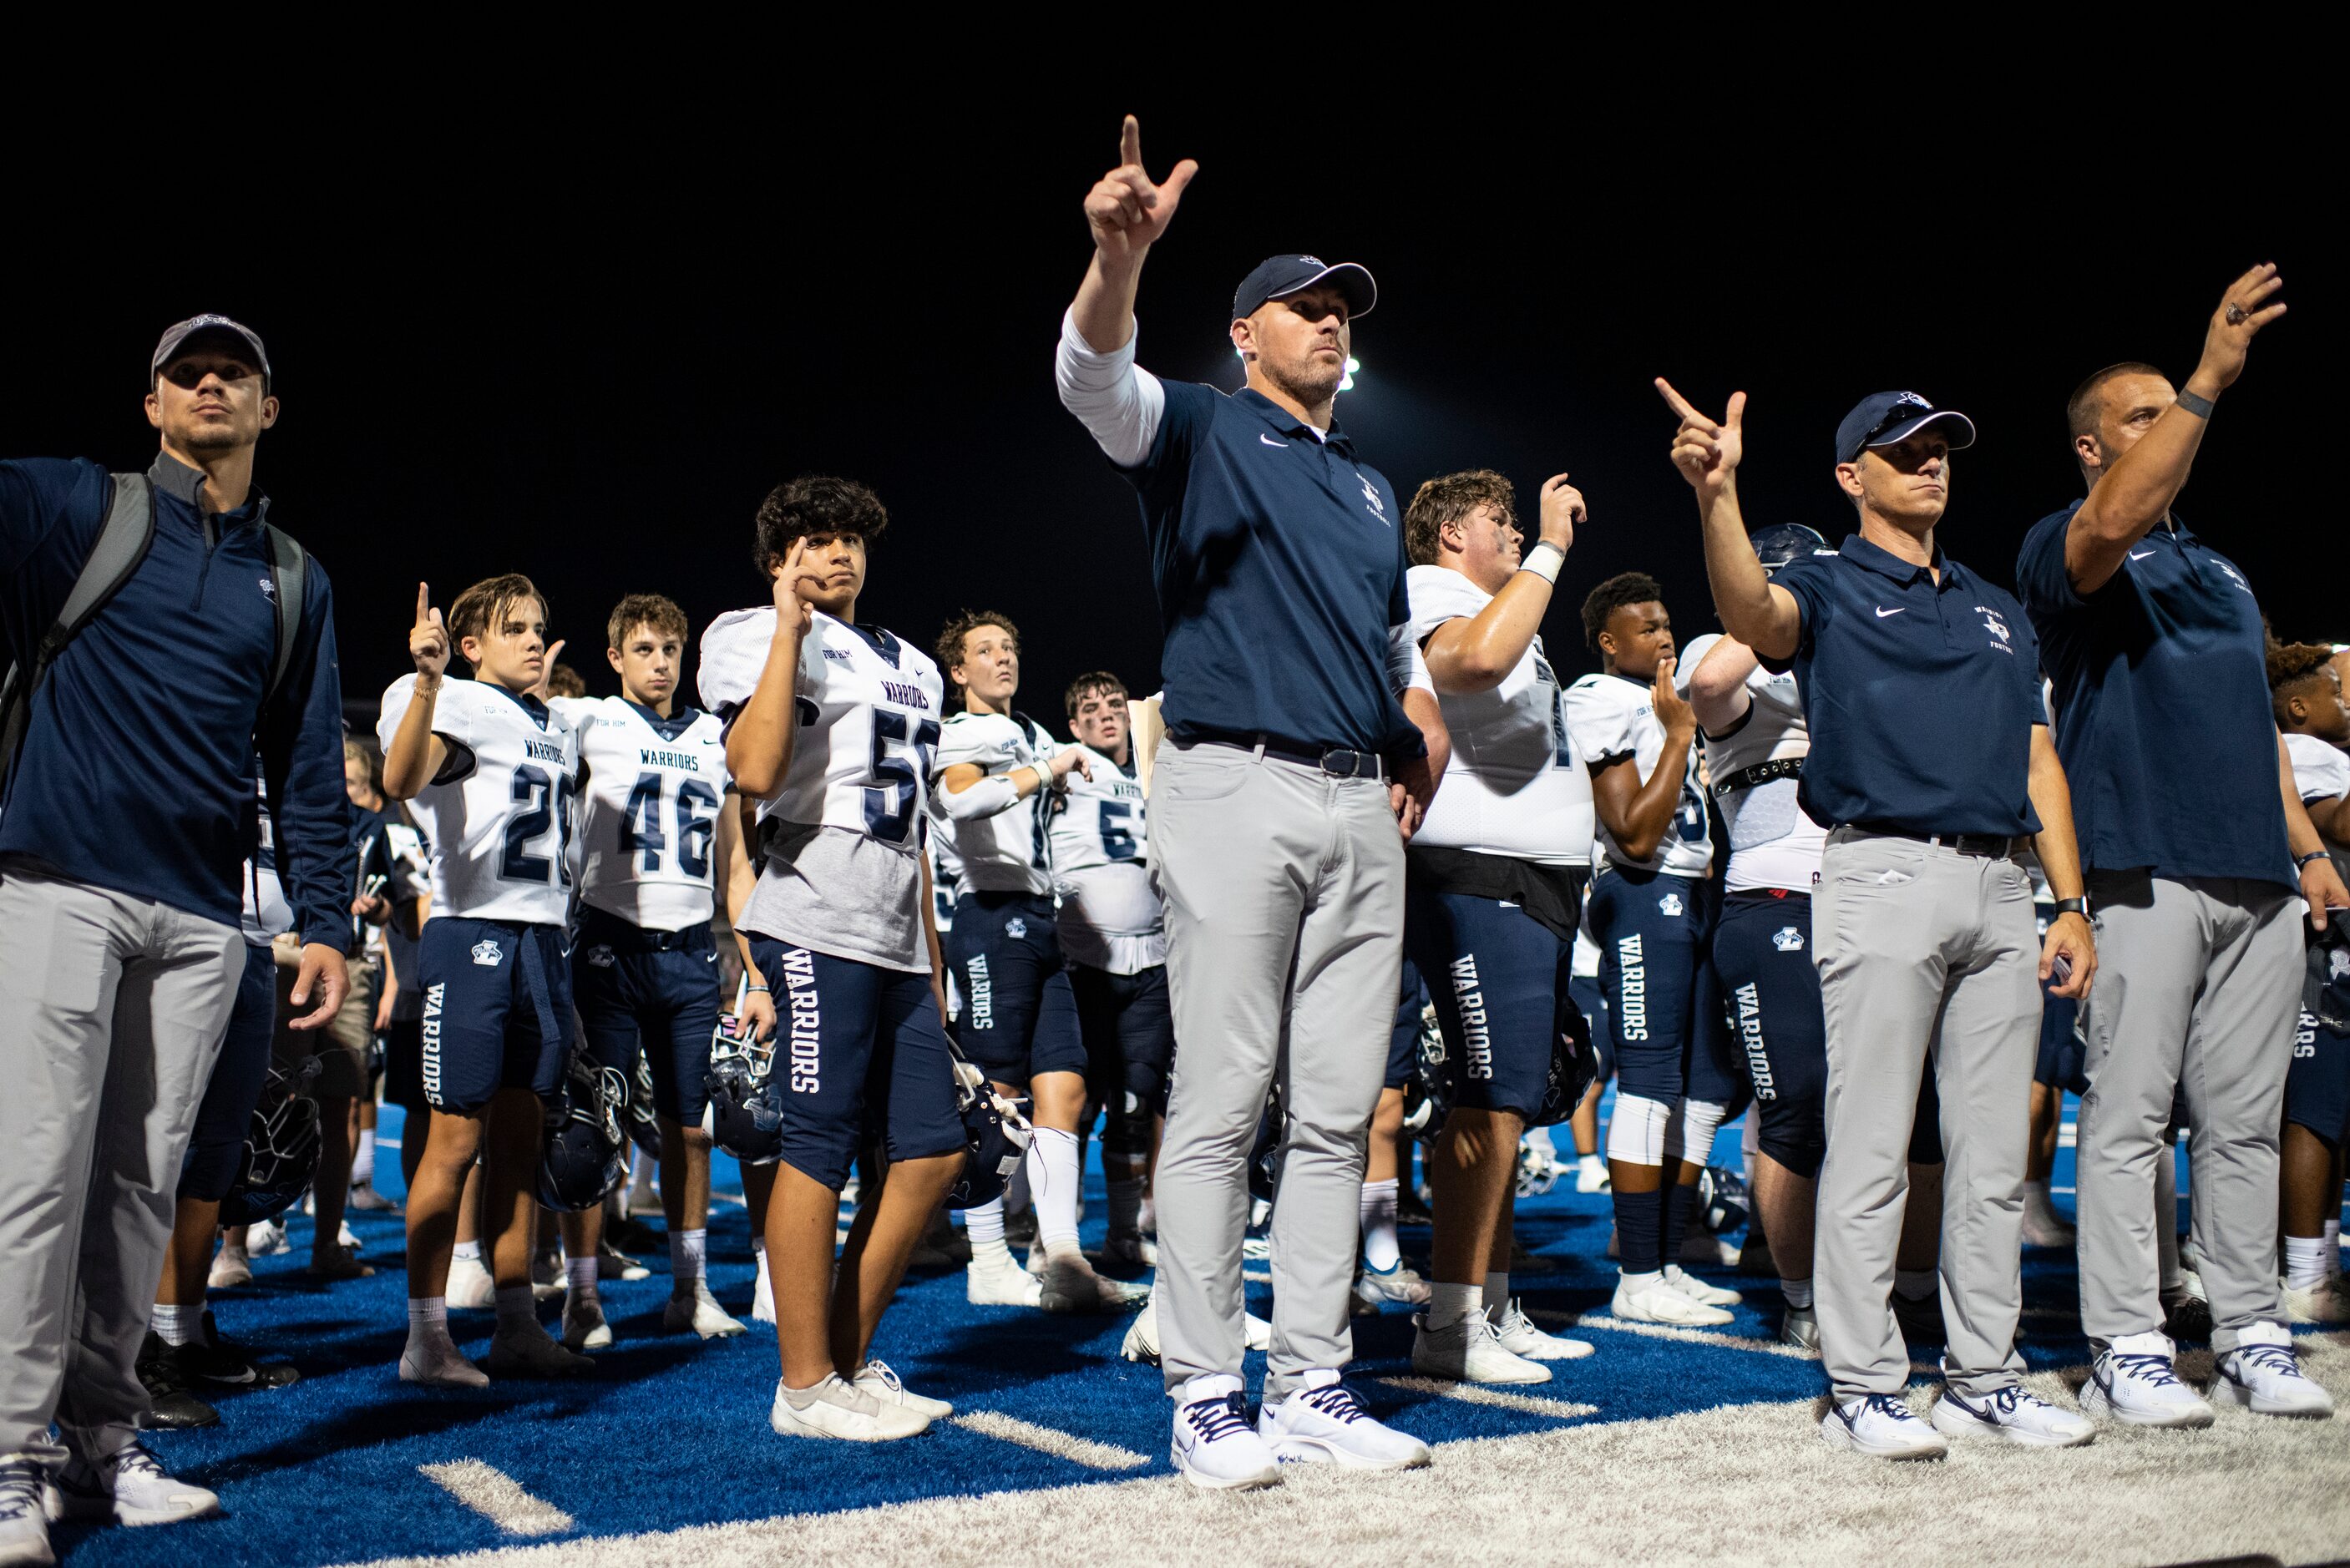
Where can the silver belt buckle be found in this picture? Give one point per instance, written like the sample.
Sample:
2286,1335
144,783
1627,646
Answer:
1349,769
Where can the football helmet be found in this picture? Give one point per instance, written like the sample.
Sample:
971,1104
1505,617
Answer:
281,1148
585,1154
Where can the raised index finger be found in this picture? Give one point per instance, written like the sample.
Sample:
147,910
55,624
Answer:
423,602
1130,142
1680,404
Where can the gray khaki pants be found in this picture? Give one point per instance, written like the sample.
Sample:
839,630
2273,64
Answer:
2199,982
1284,948
1925,955
112,1012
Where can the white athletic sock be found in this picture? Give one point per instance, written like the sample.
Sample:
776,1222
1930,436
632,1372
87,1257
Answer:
1125,1207
643,1171
1147,1218
688,1250
1497,1294
1797,1292
2305,1263
465,1251
1917,1284
363,1161
1380,1253
2332,1235
1448,1304
426,1313
2040,1204
517,1310
984,1226
763,1288
1638,1282
579,1273
177,1325
1590,1164
1016,1195
1053,1178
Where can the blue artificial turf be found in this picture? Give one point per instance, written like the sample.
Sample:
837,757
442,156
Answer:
670,1431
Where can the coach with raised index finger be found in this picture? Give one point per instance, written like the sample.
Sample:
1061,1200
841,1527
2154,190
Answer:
1298,760
1931,765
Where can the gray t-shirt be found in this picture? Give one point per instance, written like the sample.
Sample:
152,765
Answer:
836,891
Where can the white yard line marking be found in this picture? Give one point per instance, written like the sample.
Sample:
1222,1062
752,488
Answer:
1045,1439
1666,1331
1500,1399
1257,1276
497,1497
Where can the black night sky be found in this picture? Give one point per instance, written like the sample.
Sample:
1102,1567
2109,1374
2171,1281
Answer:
498,352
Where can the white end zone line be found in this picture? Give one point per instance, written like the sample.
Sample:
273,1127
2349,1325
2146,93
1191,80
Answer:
1045,1439
1500,1399
497,1497
1666,1331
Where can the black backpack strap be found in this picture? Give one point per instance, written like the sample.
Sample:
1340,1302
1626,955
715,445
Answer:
123,537
289,575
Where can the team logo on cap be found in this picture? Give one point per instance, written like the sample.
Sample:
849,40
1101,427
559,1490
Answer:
487,953
1788,940
1670,904
1015,928
1313,261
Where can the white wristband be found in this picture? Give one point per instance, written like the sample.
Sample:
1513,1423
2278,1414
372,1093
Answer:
1542,564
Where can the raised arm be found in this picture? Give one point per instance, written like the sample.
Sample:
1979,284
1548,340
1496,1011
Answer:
1639,812
416,754
1717,690
1754,609
1475,652
2136,492
1126,213
759,742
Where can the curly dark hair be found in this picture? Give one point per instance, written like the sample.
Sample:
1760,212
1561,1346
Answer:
813,503
2293,668
1623,589
950,636
1448,498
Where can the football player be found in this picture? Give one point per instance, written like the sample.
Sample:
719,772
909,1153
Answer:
999,774
830,724
1493,895
656,829
492,771
1652,909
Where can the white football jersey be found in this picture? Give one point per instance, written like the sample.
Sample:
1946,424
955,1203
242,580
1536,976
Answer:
1772,843
1615,716
1010,852
946,869
499,818
869,712
2320,772
649,809
1110,916
1516,785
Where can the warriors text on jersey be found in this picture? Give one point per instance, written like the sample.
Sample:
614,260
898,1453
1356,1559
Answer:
1110,915
499,812
1772,843
841,843
1614,717
1516,785
649,809
1009,852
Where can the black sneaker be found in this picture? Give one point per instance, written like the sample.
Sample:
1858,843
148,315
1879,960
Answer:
169,1406
209,1358
2187,1316
1921,1319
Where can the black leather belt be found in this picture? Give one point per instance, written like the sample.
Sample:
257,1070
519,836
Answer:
1988,846
1338,761
1759,773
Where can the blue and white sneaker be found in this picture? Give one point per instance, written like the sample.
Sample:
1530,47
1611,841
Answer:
1882,1426
24,1514
2133,1383
2262,1375
1324,1423
1374,1288
1214,1445
127,1487
2012,1416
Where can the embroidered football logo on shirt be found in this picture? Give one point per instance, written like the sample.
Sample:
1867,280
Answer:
1788,940
2234,575
487,953
1670,904
1997,628
1371,498
1015,928
269,590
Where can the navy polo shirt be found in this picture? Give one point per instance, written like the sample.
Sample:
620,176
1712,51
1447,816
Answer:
1920,695
2162,698
1279,564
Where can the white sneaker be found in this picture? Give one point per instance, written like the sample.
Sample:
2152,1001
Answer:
2133,1383
1136,1251
763,1292
127,1487
470,1287
1659,1302
2012,1416
1141,1342
533,1352
24,1514
1255,1331
1324,1423
1592,1177
1468,1350
344,1237
2321,1302
1214,1447
584,1327
1696,1290
1881,1426
834,1408
701,1312
232,1266
1402,1283
612,1263
1518,1336
877,1379
1001,1283
266,1239
2263,1375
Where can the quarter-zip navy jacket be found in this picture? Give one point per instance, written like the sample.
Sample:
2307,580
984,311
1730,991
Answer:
137,773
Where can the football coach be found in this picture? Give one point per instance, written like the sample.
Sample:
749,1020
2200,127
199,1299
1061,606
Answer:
1930,766
1303,746
128,815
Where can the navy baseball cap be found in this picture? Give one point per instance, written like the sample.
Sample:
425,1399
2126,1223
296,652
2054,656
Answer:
1882,419
1276,276
176,338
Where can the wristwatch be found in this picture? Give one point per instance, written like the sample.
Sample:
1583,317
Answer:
2073,906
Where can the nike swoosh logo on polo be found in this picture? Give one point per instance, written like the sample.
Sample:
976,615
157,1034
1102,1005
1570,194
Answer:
1883,613
1276,445
2140,554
